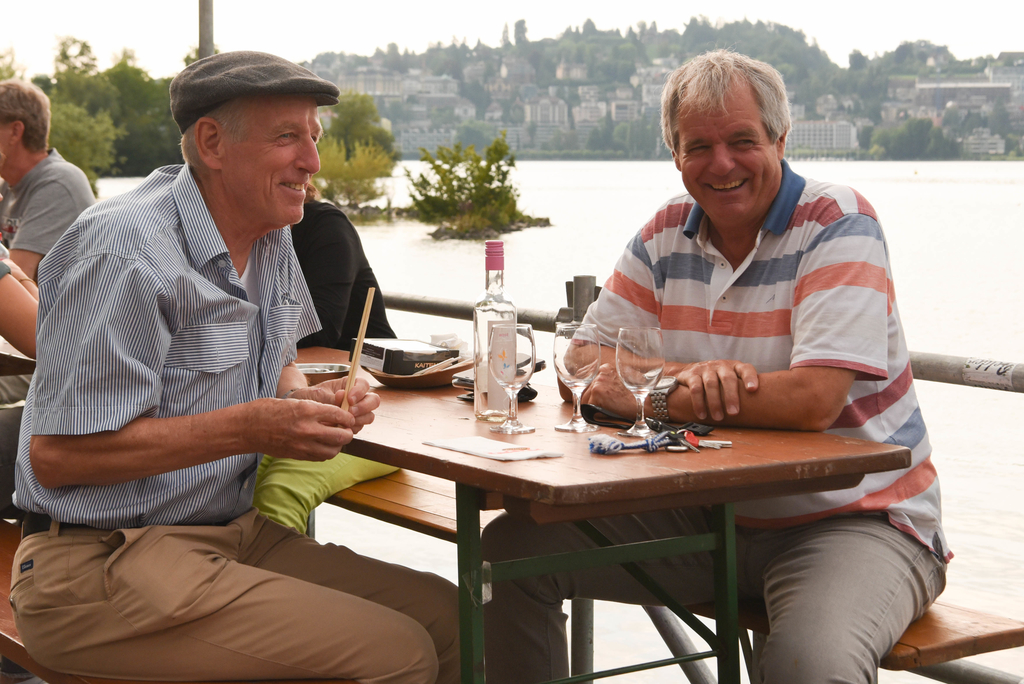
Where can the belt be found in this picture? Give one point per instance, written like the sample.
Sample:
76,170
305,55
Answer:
40,522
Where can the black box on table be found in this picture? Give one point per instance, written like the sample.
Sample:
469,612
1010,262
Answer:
402,357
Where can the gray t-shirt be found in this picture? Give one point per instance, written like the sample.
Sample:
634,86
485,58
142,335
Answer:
37,211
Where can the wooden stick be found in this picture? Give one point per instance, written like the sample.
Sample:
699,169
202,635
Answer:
353,362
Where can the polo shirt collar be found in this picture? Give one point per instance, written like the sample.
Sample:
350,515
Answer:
790,190
202,239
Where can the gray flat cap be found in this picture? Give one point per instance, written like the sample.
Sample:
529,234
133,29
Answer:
211,81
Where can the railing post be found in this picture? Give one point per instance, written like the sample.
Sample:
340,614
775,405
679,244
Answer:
582,296
205,28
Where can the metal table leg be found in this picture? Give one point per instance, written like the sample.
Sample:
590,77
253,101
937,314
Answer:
726,600
471,599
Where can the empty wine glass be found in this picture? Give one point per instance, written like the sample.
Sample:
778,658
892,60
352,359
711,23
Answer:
577,357
512,354
639,361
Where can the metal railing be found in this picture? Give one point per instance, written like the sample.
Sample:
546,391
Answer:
955,370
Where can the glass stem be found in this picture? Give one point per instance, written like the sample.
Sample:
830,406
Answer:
640,424
513,404
577,399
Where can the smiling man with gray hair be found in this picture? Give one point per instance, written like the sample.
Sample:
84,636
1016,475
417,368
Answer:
168,319
775,299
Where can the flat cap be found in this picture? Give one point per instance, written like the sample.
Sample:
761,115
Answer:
211,81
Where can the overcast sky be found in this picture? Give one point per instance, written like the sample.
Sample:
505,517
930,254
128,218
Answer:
301,30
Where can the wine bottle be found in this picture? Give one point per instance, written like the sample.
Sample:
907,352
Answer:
493,306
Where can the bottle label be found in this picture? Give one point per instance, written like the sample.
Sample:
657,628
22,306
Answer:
497,399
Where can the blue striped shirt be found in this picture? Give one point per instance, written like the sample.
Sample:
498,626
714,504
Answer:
141,314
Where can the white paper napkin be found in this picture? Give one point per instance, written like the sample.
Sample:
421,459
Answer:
492,448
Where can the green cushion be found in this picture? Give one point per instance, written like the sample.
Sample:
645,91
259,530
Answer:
287,490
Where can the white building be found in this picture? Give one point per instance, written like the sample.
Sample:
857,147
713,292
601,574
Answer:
494,112
370,80
625,110
822,135
981,141
571,72
547,109
650,97
414,138
464,109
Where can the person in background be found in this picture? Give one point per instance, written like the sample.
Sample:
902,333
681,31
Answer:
42,193
338,276
774,294
165,366
18,305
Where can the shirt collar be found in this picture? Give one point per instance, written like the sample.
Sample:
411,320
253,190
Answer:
202,239
790,190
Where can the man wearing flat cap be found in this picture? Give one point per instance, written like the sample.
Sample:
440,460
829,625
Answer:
167,326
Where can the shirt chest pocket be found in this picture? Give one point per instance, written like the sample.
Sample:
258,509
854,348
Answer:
209,348
283,320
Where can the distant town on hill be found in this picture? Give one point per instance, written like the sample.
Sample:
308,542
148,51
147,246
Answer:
596,94
587,94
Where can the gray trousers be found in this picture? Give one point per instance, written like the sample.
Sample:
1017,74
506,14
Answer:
247,600
839,592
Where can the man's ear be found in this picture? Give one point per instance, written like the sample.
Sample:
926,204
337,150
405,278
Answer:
675,159
211,142
17,131
780,145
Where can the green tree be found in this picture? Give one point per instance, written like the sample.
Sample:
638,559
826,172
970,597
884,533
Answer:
85,141
466,190
151,138
77,79
474,132
351,179
9,68
356,121
520,33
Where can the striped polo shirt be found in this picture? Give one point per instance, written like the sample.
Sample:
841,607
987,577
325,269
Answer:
815,291
141,313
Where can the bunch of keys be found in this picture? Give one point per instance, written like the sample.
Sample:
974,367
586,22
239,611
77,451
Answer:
687,441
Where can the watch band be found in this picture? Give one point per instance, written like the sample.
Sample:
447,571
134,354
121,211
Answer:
659,397
659,404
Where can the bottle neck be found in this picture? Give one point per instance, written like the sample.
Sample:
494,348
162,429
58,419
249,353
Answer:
495,281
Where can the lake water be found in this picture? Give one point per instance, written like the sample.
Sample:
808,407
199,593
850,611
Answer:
955,231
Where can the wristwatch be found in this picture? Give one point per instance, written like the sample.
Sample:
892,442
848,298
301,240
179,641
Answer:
659,396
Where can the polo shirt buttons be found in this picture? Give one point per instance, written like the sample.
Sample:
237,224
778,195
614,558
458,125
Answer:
721,264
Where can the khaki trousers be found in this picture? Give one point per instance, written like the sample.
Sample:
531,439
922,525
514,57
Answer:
247,600
839,592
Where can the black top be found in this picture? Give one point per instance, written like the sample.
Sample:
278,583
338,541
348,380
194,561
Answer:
338,276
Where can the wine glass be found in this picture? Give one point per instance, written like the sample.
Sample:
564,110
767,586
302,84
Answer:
577,357
508,344
639,361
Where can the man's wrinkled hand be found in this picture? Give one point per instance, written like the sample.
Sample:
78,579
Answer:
716,386
608,392
301,430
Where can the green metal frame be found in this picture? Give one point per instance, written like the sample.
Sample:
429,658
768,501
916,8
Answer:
475,577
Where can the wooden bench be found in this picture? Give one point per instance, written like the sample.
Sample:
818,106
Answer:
427,504
10,643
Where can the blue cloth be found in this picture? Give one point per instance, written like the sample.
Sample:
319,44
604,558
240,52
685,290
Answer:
141,314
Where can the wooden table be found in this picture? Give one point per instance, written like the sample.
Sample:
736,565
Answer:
579,486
